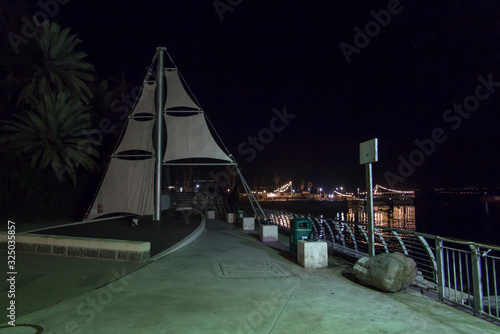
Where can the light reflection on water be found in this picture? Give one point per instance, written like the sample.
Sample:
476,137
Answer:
396,216
461,217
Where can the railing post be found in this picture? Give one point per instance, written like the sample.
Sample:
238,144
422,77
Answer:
476,279
440,268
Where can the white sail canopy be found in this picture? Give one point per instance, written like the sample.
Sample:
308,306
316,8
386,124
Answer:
146,103
176,94
127,187
189,137
137,135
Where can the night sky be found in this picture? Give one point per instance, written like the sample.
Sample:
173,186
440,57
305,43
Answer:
264,55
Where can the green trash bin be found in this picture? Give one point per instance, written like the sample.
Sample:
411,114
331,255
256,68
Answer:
239,216
300,229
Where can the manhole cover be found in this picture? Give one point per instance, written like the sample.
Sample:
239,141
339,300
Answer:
249,269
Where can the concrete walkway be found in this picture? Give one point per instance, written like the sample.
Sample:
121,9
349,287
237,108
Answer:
227,281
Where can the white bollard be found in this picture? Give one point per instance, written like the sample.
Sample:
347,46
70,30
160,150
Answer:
231,217
248,223
312,254
268,233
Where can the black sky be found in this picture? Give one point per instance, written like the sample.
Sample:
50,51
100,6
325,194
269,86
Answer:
271,54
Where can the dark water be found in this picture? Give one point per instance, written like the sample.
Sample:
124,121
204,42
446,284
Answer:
458,216
463,217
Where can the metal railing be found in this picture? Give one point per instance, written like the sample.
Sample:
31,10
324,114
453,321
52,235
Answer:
468,275
460,272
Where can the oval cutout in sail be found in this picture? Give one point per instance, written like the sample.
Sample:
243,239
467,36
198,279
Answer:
143,117
182,113
134,155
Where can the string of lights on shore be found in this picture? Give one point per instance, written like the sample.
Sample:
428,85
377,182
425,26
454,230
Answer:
409,192
342,194
284,187
379,189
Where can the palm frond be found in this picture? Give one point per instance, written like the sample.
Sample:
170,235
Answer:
61,68
52,133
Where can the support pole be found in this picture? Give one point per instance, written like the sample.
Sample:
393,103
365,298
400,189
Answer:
368,153
257,209
369,209
159,130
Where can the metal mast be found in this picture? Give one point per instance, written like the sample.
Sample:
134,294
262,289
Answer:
159,129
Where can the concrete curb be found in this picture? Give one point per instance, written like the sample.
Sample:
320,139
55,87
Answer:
187,240
111,249
77,223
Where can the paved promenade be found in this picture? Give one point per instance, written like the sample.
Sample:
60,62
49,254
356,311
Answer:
227,281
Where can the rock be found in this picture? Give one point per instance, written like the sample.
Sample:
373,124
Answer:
389,272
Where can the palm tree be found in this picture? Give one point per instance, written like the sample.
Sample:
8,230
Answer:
56,66
54,132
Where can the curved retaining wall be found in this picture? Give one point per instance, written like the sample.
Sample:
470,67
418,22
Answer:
122,250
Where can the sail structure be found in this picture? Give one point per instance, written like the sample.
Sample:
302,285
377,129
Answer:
132,182
190,138
137,135
176,93
127,188
188,135
128,184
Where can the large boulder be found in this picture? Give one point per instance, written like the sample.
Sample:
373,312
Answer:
389,272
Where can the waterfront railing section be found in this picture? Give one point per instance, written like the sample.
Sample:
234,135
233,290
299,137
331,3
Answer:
459,272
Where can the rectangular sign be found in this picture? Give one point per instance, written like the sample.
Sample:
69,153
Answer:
368,151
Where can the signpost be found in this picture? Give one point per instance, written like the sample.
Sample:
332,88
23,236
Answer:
368,153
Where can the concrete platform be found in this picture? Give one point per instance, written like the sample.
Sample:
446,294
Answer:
188,292
46,279
174,227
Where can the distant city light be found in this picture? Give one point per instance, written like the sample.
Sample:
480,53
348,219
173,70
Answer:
283,188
